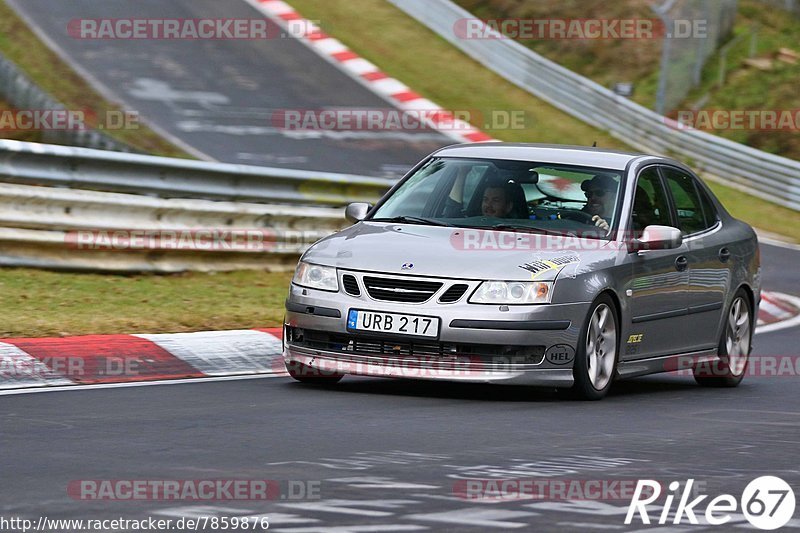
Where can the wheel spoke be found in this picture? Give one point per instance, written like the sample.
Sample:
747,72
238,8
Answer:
732,320
744,319
601,342
737,338
608,364
593,368
594,330
602,318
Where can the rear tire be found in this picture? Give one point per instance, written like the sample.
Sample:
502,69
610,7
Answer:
597,353
734,347
313,376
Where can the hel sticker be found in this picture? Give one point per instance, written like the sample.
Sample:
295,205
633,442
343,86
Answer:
635,339
560,354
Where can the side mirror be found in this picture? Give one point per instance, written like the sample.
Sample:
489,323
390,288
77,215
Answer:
657,238
356,212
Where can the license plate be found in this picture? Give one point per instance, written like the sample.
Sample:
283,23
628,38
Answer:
418,326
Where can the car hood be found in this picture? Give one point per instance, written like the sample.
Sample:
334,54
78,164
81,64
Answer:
461,253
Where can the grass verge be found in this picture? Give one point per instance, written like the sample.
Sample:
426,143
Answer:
759,213
21,45
41,303
14,135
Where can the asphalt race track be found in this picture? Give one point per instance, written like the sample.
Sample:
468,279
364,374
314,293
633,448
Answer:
217,97
388,456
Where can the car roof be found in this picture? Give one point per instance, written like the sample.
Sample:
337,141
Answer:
546,153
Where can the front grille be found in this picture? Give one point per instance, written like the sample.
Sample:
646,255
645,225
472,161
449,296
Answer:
400,290
371,346
351,285
454,293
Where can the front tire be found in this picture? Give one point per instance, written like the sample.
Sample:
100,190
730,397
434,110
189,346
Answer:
313,376
734,347
596,359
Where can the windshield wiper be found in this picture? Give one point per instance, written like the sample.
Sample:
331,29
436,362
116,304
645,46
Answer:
413,220
522,227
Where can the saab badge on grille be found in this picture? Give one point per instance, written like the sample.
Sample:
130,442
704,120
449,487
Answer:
407,266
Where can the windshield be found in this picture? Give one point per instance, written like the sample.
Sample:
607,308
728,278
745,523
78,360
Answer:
500,194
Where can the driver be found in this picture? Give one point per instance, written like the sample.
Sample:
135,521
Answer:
497,201
600,193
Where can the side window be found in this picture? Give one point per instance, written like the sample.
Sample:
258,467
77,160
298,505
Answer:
650,206
687,201
709,211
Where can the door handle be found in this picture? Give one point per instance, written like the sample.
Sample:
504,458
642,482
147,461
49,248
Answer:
681,263
724,255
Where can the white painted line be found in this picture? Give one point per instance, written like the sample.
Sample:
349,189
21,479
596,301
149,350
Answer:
354,529
776,242
70,388
792,322
377,482
585,525
476,517
352,507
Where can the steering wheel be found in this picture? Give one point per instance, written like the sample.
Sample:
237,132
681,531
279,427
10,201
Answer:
579,216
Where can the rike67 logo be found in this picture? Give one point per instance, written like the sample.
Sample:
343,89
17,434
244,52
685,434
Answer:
767,503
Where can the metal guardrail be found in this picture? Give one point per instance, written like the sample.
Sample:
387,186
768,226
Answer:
82,168
759,173
50,194
82,230
22,93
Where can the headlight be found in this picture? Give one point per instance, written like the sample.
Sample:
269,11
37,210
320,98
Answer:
513,292
316,277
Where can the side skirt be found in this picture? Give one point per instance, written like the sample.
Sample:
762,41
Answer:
667,363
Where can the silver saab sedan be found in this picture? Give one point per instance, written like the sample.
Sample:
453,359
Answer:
554,266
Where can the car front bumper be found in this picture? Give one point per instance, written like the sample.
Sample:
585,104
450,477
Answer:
525,345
